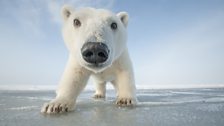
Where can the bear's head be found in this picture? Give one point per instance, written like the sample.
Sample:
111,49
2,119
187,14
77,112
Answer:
95,37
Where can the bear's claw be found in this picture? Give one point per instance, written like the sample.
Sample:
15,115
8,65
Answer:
57,106
98,96
125,102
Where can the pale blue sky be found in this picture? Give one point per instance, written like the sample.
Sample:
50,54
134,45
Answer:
172,42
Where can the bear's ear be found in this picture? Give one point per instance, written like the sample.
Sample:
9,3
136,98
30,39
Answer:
66,11
123,16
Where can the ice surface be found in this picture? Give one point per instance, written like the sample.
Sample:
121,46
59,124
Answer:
164,107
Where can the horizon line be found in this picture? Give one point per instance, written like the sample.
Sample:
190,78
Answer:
91,87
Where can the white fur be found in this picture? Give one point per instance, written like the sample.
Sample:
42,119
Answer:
95,27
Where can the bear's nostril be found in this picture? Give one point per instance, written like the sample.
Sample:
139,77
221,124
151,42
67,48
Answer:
101,54
89,54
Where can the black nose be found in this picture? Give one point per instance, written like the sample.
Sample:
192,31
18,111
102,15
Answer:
95,52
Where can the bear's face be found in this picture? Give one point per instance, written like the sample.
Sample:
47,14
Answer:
95,37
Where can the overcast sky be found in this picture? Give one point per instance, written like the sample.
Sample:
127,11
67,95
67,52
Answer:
171,42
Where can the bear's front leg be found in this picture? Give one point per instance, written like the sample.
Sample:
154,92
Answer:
73,81
125,87
100,90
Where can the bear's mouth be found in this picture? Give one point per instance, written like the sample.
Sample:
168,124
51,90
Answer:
96,65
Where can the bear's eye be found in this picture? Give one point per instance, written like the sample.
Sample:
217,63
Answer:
76,23
113,26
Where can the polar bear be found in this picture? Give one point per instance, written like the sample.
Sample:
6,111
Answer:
96,40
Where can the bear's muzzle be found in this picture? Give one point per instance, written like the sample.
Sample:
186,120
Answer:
95,53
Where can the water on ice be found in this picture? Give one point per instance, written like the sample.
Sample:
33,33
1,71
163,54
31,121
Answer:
158,107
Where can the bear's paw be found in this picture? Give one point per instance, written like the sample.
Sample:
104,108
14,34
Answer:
126,102
58,106
98,96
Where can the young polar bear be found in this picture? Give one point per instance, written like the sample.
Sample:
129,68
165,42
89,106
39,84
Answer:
96,40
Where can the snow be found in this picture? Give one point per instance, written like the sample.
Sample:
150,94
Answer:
156,107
